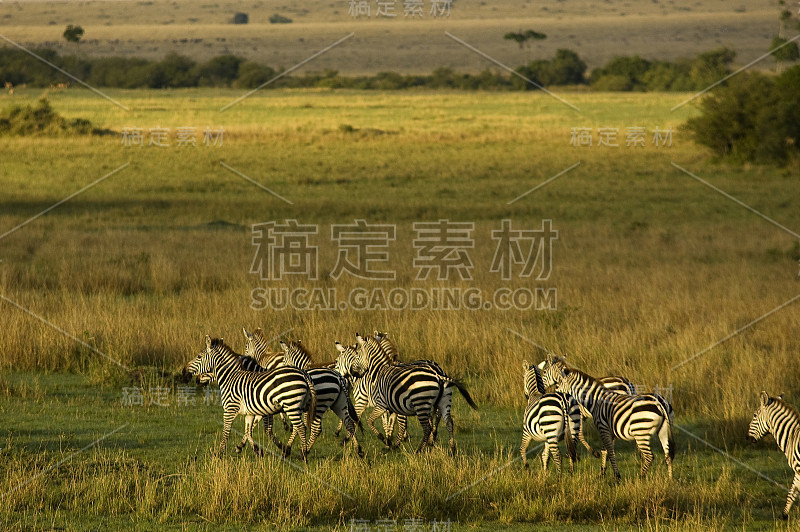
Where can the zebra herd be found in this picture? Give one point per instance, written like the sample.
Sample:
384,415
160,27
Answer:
261,383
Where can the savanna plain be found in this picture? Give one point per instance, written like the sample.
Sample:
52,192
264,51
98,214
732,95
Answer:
114,290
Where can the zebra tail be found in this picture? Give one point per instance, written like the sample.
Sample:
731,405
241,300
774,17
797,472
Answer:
464,392
668,421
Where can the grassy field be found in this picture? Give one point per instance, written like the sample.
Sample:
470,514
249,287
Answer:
597,32
651,267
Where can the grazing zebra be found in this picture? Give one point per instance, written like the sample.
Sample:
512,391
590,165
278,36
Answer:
783,422
256,394
407,390
547,419
627,417
534,384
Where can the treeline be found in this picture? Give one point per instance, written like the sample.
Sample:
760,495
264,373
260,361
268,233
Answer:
173,71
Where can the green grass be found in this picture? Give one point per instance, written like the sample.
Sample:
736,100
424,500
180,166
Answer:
651,267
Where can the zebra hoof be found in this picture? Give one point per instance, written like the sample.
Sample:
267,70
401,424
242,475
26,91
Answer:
595,454
785,516
238,449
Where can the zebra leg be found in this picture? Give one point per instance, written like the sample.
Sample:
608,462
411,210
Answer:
443,409
402,430
268,429
792,495
556,452
425,422
668,444
227,421
388,421
643,445
375,414
523,448
577,428
298,429
608,444
340,408
316,429
248,434
545,457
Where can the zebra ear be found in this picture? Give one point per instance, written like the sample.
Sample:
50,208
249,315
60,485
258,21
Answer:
764,399
246,334
208,342
359,339
542,364
525,365
339,347
780,396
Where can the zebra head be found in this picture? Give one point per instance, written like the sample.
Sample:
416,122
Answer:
371,353
551,368
295,354
533,379
348,362
203,363
206,364
386,343
760,424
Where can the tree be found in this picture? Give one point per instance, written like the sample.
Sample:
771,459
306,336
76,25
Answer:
73,33
521,37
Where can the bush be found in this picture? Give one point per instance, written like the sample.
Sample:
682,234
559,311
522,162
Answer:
279,19
754,119
252,75
241,18
41,120
219,71
566,68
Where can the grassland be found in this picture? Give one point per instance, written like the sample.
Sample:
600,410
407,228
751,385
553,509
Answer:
596,31
651,267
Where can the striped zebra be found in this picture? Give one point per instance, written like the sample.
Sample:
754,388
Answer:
361,398
534,384
633,418
332,392
615,383
405,390
257,348
783,422
547,419
256,394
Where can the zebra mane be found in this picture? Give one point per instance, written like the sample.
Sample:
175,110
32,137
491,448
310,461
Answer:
785,407
537,374
296,355
218,345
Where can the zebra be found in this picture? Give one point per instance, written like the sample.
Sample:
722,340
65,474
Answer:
332,392
783,422
635,418
257,348
408,390
534,384
547,419
614,383
256,394
361,398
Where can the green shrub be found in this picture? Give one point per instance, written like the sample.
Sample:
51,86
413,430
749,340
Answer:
753,119
279,19
41,120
